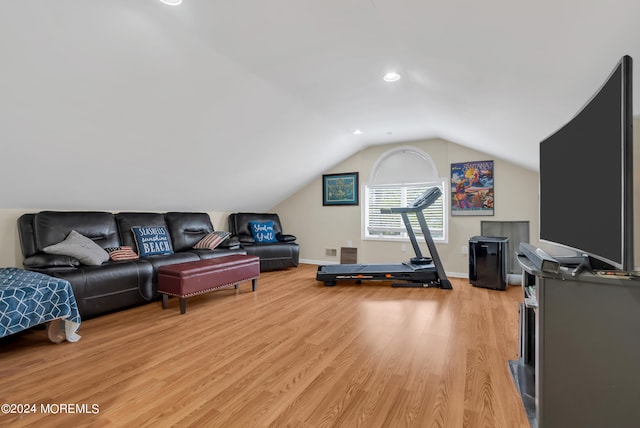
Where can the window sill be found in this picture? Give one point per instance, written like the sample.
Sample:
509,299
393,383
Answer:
403,240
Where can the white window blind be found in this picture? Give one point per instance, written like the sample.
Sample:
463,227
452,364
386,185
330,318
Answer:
391,226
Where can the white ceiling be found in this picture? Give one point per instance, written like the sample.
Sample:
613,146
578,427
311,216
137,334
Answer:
236,105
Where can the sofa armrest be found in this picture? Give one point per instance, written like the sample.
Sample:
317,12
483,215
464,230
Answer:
44,261
283,237
244,239
231,242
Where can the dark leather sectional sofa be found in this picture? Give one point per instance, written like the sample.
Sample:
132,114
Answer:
113,285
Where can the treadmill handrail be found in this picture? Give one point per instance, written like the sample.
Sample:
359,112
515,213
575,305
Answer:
423,201
426,199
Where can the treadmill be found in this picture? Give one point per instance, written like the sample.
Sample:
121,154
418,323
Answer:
419,272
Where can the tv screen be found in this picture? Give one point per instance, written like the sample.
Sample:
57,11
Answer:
586,177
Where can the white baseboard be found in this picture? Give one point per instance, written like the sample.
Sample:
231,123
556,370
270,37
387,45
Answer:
317,262
514,279
457,275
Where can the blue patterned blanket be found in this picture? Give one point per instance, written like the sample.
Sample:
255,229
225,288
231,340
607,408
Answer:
31,298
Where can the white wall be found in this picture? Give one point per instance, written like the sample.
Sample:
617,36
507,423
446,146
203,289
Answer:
318,227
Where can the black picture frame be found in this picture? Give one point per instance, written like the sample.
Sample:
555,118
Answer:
340,189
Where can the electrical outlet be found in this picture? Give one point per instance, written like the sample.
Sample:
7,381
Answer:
331,252
465,250
403,248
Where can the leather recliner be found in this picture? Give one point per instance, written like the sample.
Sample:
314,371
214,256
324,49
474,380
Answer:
273,256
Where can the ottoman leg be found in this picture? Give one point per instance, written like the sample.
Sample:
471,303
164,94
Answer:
183,305
254,282
165,301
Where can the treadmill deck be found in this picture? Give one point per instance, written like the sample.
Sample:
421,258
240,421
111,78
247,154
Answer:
424,273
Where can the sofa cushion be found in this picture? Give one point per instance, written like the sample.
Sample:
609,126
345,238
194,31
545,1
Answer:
152,240
212,240
262,232
122,253
217,252
80,247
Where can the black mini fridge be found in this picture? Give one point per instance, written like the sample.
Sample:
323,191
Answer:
488,261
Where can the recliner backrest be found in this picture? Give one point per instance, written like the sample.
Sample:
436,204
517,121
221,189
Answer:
186,229
239,222
127,220
52,227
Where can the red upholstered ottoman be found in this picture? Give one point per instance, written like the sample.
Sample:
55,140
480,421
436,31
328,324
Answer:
192,278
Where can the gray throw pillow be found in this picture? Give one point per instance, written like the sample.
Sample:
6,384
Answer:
79,246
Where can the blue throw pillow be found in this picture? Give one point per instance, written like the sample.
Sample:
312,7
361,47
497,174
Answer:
263,232
152,240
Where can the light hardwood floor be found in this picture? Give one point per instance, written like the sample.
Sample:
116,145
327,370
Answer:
294,353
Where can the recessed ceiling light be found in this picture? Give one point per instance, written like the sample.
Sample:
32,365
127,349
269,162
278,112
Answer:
357,132
171,2
391,76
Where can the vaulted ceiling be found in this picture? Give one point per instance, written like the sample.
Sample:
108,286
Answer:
236,105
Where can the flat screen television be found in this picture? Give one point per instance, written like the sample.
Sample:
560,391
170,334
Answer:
586,176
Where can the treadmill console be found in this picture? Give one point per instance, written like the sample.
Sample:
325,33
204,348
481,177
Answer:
427,198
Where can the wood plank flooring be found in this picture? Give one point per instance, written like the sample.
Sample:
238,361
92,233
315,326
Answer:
293,354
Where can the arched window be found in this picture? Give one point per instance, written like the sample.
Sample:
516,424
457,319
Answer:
398,177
